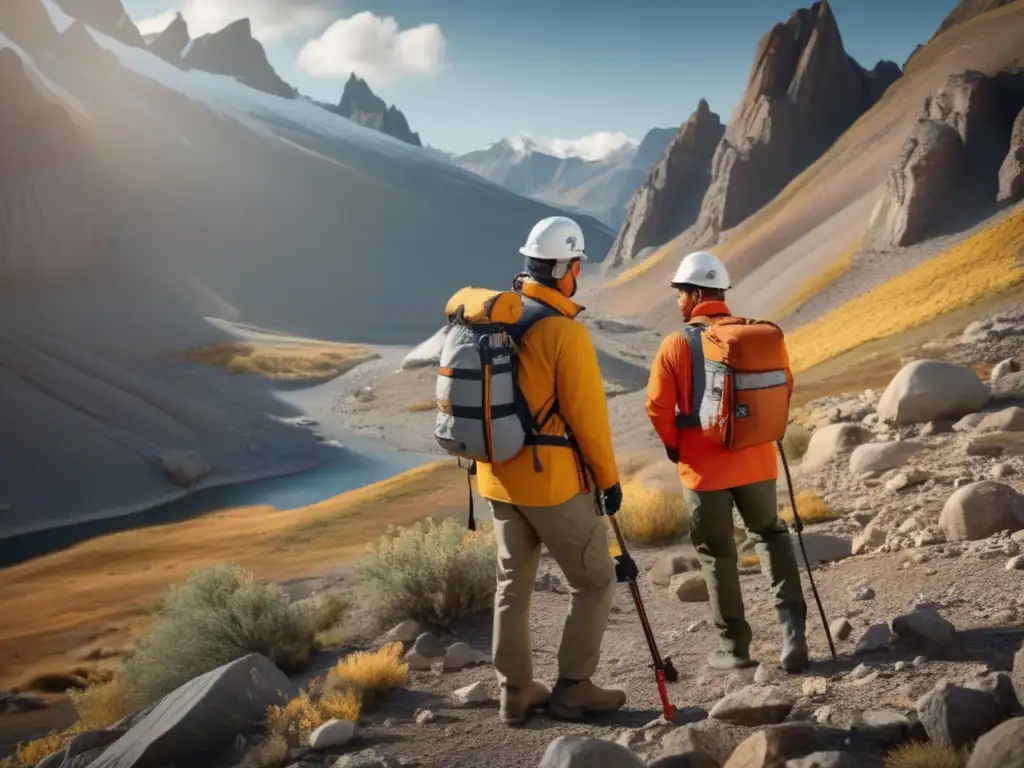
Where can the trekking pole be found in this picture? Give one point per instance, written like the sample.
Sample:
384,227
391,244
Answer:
798,526
664,669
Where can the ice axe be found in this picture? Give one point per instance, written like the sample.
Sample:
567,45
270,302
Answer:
626,570
798,526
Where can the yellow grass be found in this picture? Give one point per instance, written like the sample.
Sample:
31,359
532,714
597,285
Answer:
56,604
981,265
341,705
100,706
295,720
369,672
32,752
286,361
426,405
271,753
651,516
811,508
921,755
821,281
749,560
645,266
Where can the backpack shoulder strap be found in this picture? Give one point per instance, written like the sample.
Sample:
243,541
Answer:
534,310
694,335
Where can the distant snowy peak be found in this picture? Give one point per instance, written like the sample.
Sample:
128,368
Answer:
233,51
596,147
361,105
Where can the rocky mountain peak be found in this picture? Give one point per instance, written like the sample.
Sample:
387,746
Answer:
170,43
361,105
106,16
233,51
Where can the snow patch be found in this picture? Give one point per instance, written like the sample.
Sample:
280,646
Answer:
601,146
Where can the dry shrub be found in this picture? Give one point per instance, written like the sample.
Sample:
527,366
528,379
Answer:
811,508
750,560
295,720
341,705
290,726
795,441
220,614
422,407
371,673
651,516
303,361
272,752
101,704
32,752
432,572
922,755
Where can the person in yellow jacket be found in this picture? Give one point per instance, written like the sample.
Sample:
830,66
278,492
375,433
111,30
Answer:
545,494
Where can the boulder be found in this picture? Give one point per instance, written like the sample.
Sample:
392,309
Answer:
333,733
417,661
428,646
690,588
186,468
774,746
1011,173
707,744
205,713
459,656
406,632
920,188
662,572
887,728
753,705
582,752
954,716
1005,420
670,198
925,628
1017,675
926,390
426,353
1003,367
999,685
831,442
876,638
881,457
982,509
1002,747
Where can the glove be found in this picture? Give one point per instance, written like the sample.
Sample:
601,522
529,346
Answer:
612,499
673,454
625,569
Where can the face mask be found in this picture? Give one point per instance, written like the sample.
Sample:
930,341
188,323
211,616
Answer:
569,282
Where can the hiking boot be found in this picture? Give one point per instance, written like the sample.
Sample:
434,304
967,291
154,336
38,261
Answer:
516,702
573,700
728,661
794,658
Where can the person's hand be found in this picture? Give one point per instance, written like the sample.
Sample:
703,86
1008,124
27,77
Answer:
673,454
612,499
625,568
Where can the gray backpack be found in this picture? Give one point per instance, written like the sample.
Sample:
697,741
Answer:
482,414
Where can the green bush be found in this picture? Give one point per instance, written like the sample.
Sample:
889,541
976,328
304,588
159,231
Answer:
795,441
220,614
432,572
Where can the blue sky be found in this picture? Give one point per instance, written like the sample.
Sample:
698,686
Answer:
480,70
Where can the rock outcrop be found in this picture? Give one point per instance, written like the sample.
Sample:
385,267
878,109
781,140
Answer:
27,24
106,16
804,92
1011,172
929,390
47,167
233,51
170,43
670,198
919,190
946,176
968,9
361,105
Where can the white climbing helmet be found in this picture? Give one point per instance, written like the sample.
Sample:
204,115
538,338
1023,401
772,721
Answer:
702,269
556,238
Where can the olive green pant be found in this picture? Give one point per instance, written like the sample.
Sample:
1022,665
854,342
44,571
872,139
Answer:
712,535
577,539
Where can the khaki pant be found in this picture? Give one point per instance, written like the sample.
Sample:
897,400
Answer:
712,535
576,536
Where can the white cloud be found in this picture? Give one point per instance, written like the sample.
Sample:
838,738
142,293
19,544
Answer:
374,48
271,19
595,146
157,23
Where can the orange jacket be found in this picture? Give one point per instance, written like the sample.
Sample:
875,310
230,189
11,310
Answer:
703,465
557,355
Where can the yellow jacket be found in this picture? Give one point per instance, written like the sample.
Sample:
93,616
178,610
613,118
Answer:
556,355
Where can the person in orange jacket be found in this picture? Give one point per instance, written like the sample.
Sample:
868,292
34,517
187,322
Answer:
544,495
715,478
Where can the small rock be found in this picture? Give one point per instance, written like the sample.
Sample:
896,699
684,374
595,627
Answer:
881,457
753,705
186,468
459,656
696,625
1015,563
690,588
1002,469
424,716
900,666
428,646
876,638
707,743
550,581
832,759
980,510
840,628
417,662
764,674
925,627
823,714
815,686
919,661
999,685
474,693
367,758
860,671
768,748
406,632
886,726
333,733
862,593
582,752
874,535
907,479
661,574
1003,367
